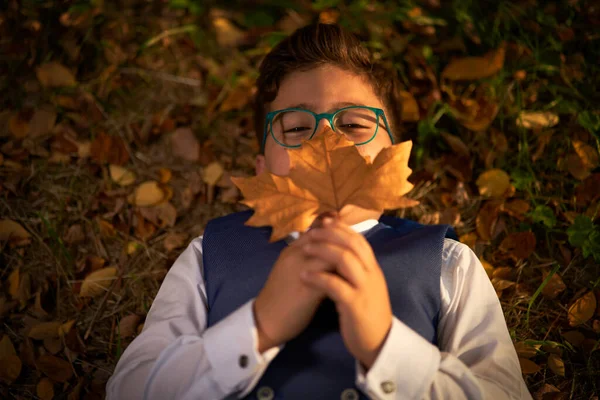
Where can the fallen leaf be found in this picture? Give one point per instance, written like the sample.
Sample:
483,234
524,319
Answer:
576,167
55,368
109,149
554,287
239,96
128,325
185,145
212,173
574,337
75,235
42,122
54,74
588,155
174,240
44,330
516,208
470,239
165,175
98,282
519,245
528,367
489,268
537,119
556,364
14,283
471,68
486,220
65,328
10,368
526,350
18,124
45,389
106,228
501,284
583,309
319,182
121,175
161,215
493,183
53,345
13,231
456,144
147,194
228,35
410,108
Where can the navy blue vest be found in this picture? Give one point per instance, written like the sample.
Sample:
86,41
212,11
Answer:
316,364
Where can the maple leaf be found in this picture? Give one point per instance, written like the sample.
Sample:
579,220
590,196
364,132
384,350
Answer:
327,174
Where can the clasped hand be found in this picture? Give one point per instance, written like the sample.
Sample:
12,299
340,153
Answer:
330,260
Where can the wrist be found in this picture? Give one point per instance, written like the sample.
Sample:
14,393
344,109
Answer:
264,341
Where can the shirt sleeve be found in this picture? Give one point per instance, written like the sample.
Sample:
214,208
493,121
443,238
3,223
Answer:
177,357
476,358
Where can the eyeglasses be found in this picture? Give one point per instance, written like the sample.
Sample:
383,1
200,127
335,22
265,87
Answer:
291,126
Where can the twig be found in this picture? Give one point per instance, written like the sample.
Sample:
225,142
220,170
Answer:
101,307
162,75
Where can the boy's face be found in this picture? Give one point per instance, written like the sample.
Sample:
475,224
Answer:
323,87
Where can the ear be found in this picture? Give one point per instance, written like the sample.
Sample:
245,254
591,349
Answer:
260,164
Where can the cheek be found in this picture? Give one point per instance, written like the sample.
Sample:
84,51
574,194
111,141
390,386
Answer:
278,160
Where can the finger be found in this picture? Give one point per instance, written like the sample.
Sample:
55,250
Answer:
344,261
342,235
336,288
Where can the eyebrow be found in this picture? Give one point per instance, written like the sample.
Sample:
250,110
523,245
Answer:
336,106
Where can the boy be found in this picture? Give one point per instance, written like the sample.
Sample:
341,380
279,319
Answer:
352,309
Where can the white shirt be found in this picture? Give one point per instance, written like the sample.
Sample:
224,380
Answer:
177,357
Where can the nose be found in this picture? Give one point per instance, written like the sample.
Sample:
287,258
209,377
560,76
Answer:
322,126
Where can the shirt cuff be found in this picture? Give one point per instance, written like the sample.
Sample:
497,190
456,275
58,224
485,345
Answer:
231,347
404,350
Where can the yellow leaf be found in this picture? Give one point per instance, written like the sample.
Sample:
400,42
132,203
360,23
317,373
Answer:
583,309
147,194
14,283
537,119
54,74
493,183
212,173
45,389
471,68
10,368
526,350
228,35
410,108
588,155
65,328
121,175
528,366
165,175
13,231
327,174
556,364
44,330
98,282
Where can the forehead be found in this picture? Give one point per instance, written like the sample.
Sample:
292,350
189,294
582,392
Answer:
323,89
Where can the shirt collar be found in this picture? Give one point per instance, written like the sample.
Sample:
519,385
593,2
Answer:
361,227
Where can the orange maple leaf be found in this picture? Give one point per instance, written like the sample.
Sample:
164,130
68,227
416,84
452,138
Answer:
327,174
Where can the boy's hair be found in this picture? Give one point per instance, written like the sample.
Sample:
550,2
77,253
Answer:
316,45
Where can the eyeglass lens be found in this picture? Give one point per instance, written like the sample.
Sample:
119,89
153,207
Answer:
292,127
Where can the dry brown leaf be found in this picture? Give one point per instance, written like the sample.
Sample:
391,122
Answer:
526,350
54,74
98,282
519,245
6,347
489,268
128,325
121,175
471,68
410,108
516,208
327,174
556,364
75,234
45,330
174,240
18,124
185,145
109,149
10,368
53,345
576,167
470,239
456,144
228,35
501,284
106,228
147,194
13,232
161,215
55,368
588,155
45,389
574,337
165,175
537,119
14,281
528,367
65,328
554,287
42,122
239,96
493,183
583,309
486,220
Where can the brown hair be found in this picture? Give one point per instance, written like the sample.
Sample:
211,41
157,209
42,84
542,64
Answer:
316,45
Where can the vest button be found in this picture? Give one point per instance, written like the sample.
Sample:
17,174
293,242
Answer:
243,361
265,393
349,394
388,387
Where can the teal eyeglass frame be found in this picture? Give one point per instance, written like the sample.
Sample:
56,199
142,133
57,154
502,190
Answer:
329,116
